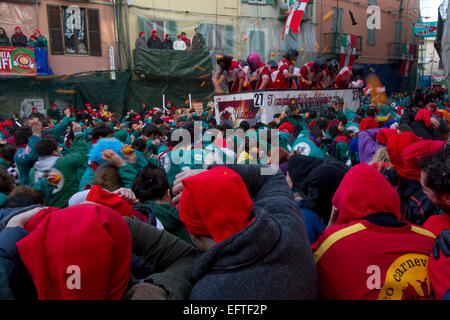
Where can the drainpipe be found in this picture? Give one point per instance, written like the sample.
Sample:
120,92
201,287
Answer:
128,35
119,60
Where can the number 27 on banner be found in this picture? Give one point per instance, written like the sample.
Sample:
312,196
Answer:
258,99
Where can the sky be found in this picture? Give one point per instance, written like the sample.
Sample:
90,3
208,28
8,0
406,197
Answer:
429,8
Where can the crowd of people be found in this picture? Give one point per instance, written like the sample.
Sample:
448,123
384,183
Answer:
99,207
19,39
182,43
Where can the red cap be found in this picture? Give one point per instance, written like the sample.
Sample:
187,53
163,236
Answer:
368,123
8,123
395,146
215,204
141,34
385,134
93,231
287,127
34,109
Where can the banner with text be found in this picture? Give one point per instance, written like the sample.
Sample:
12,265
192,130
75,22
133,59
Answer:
17,61
260,106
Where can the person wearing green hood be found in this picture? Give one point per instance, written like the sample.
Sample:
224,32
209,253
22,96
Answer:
122,134
310,145
384,111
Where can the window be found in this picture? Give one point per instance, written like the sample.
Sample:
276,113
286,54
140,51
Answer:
257,43
163,28
336,25
371,33
74,30
218,38
398,32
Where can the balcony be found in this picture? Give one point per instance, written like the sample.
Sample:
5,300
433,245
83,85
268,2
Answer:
332,41
395,51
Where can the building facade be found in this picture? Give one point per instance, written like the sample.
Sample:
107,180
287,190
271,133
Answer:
80,34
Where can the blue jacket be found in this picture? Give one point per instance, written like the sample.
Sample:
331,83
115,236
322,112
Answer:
270,259
314,226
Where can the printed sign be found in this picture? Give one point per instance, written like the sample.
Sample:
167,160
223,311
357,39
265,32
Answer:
16,61
425,29
260,106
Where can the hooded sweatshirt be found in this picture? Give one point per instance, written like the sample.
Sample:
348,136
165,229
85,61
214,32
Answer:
318,180
368,245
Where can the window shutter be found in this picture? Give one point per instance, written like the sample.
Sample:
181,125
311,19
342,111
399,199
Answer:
203,29
229,39
171,29
336,25
55,29
95,43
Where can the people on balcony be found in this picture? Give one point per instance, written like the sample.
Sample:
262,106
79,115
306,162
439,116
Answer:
19,39
154,42
41,40
140,41
4,40
167,43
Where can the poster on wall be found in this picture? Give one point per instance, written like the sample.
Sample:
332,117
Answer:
260,106
17,61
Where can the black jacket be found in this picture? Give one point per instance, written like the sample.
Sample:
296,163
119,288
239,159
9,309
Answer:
415,206
270,259
167,44
318,180
154,44
419,128
19,41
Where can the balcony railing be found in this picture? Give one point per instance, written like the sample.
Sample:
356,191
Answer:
332,43
395,51
307,15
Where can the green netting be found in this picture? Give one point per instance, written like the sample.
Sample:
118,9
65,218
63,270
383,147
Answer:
173,63
93,87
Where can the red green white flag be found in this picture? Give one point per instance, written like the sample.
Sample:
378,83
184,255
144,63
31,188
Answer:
295,17
408,60
348,50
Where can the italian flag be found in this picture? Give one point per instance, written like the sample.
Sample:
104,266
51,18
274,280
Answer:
295,17
408,60
348,50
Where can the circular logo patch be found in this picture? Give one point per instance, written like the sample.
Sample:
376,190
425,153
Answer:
303,148
23,60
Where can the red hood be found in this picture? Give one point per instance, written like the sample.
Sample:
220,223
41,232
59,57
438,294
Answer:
364,191
395,146
90,240
385,134
412,153
425,116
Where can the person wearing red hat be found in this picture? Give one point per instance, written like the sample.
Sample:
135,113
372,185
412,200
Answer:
395,266
19,39
425,126
154,42
41,41
435,179
186,40
140,41
54,113
404,150
179,44
56,248
226,224
167,43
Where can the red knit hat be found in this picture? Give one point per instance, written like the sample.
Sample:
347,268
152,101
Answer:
141,33
395,146
111,200
368,123
287,127
215,204
8,123
91,240
385,134
425,116
34,109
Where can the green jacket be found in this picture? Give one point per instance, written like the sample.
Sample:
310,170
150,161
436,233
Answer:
170,256
170,219
5,164
342,152
3,198
60,129
67,167
174,161
25,158
123,136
